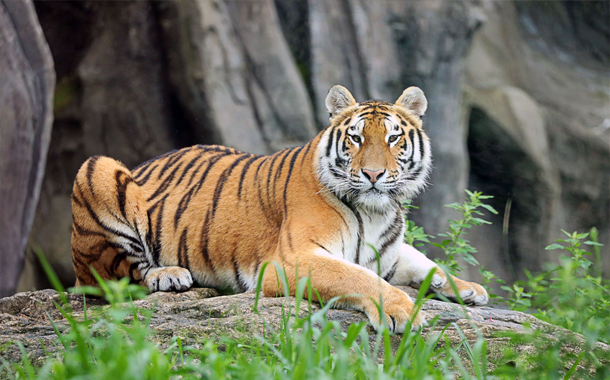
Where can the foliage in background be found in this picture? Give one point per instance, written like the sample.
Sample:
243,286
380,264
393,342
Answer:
113,342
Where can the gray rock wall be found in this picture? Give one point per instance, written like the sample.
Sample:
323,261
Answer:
519,105
26,95
539,127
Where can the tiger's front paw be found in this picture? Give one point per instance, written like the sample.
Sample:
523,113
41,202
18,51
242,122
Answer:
469,292
398,310
168,279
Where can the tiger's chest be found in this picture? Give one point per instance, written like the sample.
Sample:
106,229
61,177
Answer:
373,240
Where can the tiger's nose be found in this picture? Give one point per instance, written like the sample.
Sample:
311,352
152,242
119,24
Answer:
373,175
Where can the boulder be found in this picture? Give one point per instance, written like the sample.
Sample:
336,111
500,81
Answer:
27,81
200,314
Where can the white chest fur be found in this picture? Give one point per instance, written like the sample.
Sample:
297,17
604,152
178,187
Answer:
370,235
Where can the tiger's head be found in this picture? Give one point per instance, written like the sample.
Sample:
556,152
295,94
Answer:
374,153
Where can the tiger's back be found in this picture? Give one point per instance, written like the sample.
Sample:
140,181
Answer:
190,198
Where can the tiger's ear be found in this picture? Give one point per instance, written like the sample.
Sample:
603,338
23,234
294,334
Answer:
338,99
414,100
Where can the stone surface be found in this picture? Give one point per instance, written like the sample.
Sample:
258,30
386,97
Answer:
27,81
539,128
200,314
232,69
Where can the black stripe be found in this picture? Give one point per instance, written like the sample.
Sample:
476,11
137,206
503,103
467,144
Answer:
416,173
172,159
107,228
390,274
221,183
204,241
360,228
421,144
142,181
395,235
259,190
412,156
242,176
80,265
270,171
208,160
156,245
339,134
411,120
141,166
90,168
183,257
117,261
186,198
278,172
132,268
257,264
347,121
165,184
289,235
121,188
85,232
319,245
392,233
331,138
292,160
76,200
213,161
196,170
189,166
307,148
241,284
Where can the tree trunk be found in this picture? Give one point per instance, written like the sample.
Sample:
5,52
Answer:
27,80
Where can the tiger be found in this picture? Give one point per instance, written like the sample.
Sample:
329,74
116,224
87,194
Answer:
212,216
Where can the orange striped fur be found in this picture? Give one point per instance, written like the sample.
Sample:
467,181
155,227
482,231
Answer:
211,215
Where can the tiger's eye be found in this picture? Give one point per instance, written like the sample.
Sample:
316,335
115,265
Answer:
393,138
355,139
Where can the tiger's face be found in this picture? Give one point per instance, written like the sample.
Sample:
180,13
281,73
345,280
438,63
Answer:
374,153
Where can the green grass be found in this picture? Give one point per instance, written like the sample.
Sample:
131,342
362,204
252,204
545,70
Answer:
114,342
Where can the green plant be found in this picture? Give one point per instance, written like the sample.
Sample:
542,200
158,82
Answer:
414,235
455,246
573,294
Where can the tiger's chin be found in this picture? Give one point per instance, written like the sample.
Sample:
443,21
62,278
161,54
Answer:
375,200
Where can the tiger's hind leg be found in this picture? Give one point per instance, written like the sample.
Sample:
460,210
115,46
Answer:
110,231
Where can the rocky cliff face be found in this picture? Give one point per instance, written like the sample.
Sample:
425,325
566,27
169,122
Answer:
537,89
27,81
519,102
